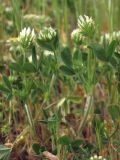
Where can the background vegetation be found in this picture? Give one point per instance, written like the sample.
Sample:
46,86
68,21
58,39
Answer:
42,108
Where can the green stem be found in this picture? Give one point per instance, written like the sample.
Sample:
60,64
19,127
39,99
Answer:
43,7
91,65
10,115
29,116
87,110
65,18
110,14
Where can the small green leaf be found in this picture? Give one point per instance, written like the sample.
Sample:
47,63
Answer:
118,149
66,56
4,152
77,55
9,96
3,89
56,41
74,99
37,148
116,142
111,49
45,45
7,82
34,56
114,111
67,71
28,67
16,67
117,55
99,51
21,60
77,142
77,58
114,61
64,140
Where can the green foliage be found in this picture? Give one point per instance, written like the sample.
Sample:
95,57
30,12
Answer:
111,49
34,56
4,152
7,83
6,87
64,140
27,67
76,143
67,70
104,54
117,144
38,149
114,111
66,56
53,86
74,99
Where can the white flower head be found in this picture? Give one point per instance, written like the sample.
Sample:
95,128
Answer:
30,58
116,36
105,38
113,36
48,53
100,157
86,26
76,36
47,34
95,157
26,37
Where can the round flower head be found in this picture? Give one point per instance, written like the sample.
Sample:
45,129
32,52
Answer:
48,53
116,36
86,26
76,36
106,37
26,37
100,157
47,34
109,37
48,38
95,157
